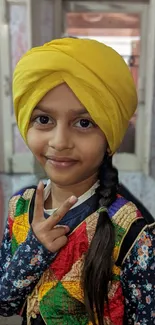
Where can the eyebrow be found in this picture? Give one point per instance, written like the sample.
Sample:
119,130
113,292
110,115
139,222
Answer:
81,111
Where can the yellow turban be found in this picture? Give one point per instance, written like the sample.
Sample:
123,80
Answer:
97,75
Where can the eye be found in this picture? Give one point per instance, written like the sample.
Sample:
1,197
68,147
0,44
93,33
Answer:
43,119
84,124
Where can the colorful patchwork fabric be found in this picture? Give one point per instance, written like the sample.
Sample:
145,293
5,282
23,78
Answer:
18,276
22,265
58,295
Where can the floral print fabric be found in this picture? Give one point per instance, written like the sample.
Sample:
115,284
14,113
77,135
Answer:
138,280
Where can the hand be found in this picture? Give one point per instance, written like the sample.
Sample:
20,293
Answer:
47,231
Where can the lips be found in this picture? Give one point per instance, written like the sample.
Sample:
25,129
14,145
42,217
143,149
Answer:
61,161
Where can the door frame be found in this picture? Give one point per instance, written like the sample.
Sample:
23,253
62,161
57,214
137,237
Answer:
13,162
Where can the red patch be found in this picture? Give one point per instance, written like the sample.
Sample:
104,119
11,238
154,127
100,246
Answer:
116,307
139,214
68,255
10,221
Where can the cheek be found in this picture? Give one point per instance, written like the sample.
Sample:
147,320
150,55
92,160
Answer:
94,149
35,142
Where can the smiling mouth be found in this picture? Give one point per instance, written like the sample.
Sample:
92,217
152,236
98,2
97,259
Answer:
61,162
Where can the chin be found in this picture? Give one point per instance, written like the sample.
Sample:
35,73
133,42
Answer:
62,181
65,178
60,178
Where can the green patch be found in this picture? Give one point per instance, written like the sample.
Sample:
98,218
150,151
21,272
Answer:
59,307
115,277
21,206
14,245
119,233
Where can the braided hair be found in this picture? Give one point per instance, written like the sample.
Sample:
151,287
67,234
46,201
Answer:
97,270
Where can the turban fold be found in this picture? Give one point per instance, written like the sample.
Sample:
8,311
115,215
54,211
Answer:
97,75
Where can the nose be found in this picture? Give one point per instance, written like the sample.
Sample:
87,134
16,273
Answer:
60,138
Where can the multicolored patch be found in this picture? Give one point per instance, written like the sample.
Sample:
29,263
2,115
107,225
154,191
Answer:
58,296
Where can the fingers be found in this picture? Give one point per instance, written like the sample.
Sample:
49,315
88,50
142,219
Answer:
48,232
54,219
59,231
57,244
39,203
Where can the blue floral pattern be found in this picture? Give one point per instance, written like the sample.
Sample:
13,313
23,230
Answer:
138,280
20,273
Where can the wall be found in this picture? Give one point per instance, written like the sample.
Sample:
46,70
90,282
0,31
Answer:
1,137
152,151
134,1
143,187
1,89
46,21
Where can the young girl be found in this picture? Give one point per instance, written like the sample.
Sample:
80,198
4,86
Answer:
76,251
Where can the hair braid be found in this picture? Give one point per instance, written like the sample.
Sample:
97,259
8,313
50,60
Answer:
97,271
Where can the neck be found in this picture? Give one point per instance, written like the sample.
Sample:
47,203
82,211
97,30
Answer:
60,194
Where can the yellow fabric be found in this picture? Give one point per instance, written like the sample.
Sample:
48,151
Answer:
21,227
97,75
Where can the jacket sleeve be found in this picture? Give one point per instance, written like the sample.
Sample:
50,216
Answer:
138,280
20,273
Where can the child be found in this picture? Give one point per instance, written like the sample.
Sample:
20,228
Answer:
76,252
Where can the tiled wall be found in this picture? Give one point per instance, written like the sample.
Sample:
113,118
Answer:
143,187
152,158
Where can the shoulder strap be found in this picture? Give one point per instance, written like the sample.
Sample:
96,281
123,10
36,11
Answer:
129,239
136,227
31,209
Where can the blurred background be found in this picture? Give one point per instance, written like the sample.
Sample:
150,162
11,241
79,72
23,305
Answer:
127,26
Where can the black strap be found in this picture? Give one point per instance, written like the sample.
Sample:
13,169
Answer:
136,227
129,239
31,209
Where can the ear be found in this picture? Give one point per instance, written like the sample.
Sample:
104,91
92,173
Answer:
108,151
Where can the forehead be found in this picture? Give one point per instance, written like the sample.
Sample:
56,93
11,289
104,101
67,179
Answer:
60,96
